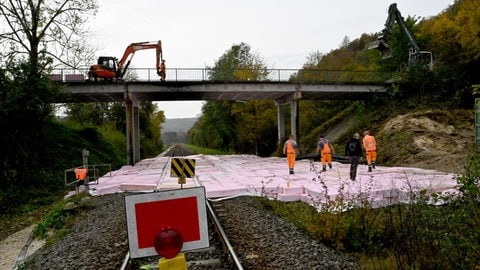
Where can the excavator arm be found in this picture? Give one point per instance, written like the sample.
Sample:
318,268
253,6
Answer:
124,62
381,44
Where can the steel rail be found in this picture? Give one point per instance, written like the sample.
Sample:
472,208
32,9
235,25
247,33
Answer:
224,238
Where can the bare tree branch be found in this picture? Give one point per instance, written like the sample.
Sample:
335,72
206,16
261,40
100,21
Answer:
48,32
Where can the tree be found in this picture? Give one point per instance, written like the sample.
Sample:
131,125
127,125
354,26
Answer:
228,125
95,113
33,35
256,127
239,63
454,33
44,31
215,128
150,126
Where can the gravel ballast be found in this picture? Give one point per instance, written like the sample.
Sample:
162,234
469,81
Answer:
99,240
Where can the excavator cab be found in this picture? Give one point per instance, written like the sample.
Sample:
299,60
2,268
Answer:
424,58
105,69
108,62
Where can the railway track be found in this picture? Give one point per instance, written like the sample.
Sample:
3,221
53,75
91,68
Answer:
219,255
242,235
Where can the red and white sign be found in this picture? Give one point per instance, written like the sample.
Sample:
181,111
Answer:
181,209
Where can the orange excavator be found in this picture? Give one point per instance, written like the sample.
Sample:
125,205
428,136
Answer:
110,69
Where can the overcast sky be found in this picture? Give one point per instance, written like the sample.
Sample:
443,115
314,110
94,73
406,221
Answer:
196,33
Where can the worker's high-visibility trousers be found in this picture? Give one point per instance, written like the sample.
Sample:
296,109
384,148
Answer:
291,160
326,158
371,156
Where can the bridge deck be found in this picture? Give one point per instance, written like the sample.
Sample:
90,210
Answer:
197,90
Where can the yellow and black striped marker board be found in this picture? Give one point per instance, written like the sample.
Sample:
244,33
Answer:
182,167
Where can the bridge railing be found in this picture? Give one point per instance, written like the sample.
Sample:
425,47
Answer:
241,75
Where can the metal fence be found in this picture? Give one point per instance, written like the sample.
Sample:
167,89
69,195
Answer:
237,75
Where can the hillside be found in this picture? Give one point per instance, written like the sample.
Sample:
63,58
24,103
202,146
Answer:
426,138
175,130
178,124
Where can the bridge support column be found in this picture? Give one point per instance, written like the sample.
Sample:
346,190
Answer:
291,99
294,118
133,128
281,122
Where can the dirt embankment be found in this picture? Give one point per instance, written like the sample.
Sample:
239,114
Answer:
429,139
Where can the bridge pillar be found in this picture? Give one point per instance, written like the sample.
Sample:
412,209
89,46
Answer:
133,128
281,122
294,118
291,99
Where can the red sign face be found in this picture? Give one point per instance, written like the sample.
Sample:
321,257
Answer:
183,210
180,214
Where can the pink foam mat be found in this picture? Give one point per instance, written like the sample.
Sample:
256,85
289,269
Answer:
231,175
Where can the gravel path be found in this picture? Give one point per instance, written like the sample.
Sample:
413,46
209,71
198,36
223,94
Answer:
11,247
263,241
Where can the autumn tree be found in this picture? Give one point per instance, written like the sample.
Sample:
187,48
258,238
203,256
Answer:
239,126
453,37
238,64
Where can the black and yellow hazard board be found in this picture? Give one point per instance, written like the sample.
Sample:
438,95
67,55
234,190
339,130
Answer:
182,167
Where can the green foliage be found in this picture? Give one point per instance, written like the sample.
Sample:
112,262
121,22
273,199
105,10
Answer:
89,113
201,150
400,144
38,181
54,219
414,235
56,223
215,128
247,127
111,122
25,117
255,127
323,116
116,138
238,64
150,126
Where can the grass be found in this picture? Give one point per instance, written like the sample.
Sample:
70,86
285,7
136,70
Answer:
61,216
201,150
415,235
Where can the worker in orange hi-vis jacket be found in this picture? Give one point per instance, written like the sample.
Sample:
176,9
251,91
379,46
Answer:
163,70
325,149
290,149
370,146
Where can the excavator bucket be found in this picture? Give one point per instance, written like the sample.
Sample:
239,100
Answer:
382,46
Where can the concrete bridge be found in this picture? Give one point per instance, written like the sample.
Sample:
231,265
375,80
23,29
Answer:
283,87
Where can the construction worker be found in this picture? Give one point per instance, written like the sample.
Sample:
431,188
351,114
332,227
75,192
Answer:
163,70
370,146
325,149
353,150
290,149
